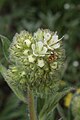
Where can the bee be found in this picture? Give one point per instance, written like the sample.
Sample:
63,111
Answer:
53,57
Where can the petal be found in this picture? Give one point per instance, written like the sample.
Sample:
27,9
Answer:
31,58
35,54
47,36
25,52
55,46
44,51
55,37
39,46
33,46
34,50
41,63
28,42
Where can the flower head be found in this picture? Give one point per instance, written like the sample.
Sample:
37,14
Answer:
36,61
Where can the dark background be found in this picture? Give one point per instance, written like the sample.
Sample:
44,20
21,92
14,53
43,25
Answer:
57,15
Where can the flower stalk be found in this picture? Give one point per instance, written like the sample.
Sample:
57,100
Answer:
31,106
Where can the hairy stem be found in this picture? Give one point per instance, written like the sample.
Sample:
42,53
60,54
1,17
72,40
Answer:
31,106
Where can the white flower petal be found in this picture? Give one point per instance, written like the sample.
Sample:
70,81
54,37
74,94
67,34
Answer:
31,58
55,37
39,49
35,54
41,63
34,49
39,45
44,50
47,36
33,46
28,42
55,46
25,52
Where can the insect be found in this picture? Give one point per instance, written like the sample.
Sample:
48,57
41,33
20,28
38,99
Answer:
52,57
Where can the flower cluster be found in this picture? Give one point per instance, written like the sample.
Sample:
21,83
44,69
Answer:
36,60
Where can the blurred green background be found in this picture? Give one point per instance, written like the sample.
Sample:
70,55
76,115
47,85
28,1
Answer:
57,15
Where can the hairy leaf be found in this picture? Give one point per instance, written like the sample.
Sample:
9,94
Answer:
51,104
15,89
5,45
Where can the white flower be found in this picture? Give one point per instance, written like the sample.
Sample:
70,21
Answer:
25,52
53,43
41,63
31,58
38,35
55,46
55,38
39,49
28,42
47,36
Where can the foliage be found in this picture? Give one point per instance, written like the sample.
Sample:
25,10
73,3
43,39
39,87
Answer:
62,16
13,109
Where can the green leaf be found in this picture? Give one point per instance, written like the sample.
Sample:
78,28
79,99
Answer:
13,109
61,112
52,115
51,103
5,45
2,3
21,95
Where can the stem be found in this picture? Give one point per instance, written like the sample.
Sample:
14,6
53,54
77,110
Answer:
31,106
